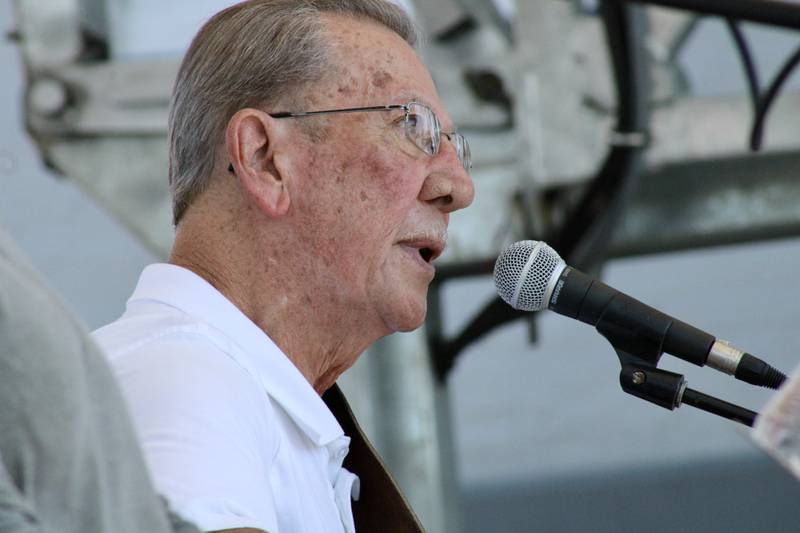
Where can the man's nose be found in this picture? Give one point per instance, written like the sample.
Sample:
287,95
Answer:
449,186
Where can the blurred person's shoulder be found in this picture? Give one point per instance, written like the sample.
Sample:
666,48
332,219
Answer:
60,408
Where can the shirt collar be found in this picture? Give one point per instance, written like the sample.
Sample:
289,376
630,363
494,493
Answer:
186,291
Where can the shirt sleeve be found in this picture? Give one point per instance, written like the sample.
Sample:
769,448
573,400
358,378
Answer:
207,431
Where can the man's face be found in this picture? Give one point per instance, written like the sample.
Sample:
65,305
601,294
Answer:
372,208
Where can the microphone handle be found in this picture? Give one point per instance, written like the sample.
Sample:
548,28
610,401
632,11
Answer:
635,328
591,301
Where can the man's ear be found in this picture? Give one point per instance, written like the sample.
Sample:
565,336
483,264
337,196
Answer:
250,140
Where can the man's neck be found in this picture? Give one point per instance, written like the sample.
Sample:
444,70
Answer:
322,342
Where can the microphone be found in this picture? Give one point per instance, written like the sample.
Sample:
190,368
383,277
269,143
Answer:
531,276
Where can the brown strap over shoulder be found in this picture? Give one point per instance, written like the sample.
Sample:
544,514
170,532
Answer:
381,506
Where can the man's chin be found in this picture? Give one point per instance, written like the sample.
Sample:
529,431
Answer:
408,318
406,329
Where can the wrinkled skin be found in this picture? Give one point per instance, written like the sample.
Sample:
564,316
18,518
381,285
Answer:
373,198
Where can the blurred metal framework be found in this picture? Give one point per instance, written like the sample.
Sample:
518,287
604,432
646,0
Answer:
538,96
614,214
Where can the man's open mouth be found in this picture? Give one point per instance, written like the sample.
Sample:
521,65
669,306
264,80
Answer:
427,254
428,248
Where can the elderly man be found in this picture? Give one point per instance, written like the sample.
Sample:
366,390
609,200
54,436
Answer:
312,185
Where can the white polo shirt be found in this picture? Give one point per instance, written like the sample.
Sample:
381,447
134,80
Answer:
232,432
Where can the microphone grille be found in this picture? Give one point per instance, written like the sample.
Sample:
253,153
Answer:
524,274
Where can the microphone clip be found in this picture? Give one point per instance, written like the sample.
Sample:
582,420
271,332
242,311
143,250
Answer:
649,383
669,390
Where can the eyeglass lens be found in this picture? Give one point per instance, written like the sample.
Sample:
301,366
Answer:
423,129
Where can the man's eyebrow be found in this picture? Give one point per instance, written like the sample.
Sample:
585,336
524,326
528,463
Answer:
408,96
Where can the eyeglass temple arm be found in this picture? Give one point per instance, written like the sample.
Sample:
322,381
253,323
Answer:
286,114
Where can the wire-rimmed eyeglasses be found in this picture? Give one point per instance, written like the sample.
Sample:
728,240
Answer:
421,125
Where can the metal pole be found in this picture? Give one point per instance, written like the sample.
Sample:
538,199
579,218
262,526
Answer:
412,428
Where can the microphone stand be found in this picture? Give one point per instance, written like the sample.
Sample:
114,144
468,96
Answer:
639,355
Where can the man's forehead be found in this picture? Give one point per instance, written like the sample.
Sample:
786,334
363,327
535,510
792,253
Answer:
378,67
376,54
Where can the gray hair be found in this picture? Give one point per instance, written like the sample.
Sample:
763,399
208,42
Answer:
253,54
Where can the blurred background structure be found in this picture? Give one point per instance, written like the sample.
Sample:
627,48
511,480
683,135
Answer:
621,133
